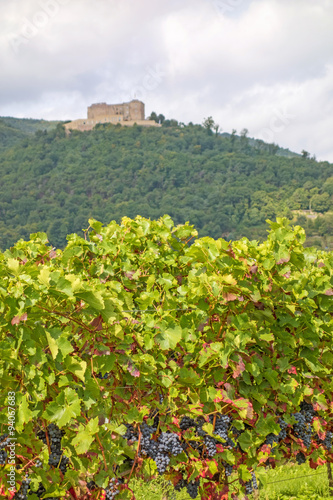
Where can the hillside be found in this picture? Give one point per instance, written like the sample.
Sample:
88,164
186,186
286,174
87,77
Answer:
13,130
225,185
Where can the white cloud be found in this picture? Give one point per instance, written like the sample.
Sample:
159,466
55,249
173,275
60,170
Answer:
245,62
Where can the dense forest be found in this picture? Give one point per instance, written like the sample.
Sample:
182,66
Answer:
225,184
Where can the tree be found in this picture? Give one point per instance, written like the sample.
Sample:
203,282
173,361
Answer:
305,154
153,116
208,123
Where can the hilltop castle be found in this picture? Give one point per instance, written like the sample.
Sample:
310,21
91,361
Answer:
127,114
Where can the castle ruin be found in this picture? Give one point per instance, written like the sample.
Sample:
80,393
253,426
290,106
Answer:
127,114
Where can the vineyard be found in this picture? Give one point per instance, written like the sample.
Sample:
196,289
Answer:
142,351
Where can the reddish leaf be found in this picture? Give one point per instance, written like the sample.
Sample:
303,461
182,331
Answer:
17,319
240,367
292,370
229,297
329,292
283,261
97,323
254,270
133,370
287,275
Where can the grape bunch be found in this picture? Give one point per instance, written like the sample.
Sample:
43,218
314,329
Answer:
160,450
130,434
146,441
4,441
181,484
210,444
271,439
300,458
308,411
91,485
22,493
168,443
40,491
302,429
187,423
112,490
192,488
102,377
54,435
228,468
254,481
222,424
283,432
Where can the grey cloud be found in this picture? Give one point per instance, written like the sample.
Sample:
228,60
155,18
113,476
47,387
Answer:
238,60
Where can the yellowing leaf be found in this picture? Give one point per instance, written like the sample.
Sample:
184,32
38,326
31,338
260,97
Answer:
52,345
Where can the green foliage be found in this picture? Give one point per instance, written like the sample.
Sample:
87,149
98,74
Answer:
226,185
241,329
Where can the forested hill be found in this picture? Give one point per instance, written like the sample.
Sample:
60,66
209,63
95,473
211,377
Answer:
226,185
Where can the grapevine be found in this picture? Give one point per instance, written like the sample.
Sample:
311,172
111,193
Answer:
132,351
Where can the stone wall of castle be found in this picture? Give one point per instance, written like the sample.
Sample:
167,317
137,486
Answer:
126,114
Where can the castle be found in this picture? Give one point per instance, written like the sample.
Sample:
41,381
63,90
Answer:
126,114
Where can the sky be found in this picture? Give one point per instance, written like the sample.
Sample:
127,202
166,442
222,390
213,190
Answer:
264,65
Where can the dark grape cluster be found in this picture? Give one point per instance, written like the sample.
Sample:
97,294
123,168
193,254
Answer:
276,438
300,458
146,441
210,444
302,429
180,485
222,425
40,491
187,423
160,450
112,490
91,485
228,468
254,481
283,432
4,441
102,377
131,434
192,488
308,411
22,493
251,485
54,435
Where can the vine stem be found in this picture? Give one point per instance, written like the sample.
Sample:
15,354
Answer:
99,442
67,316
136,456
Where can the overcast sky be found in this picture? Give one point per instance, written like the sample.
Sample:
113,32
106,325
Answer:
264,65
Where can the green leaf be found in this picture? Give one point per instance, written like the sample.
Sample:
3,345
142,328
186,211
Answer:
246,440
168,339
64,408
53,345
76,367
94,299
